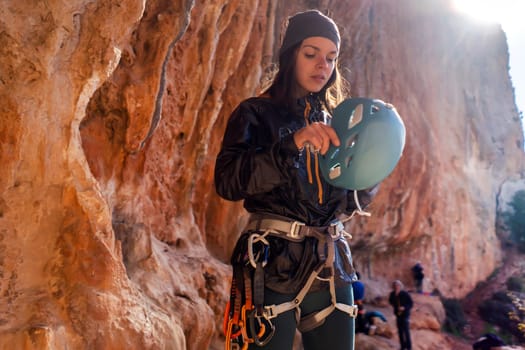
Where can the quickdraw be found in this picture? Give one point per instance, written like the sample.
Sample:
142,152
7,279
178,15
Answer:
232,326
244,323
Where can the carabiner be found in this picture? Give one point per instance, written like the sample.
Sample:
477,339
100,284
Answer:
258,337
244,317
257,237
230,337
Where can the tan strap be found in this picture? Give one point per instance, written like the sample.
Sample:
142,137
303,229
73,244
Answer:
315,319
293,230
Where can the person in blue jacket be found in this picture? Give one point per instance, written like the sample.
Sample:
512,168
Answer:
292,267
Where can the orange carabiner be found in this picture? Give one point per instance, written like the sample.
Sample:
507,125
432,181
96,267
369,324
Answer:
227,333
226,318
244,326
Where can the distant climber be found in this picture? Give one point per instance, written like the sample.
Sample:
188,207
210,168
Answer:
365,320
361,323
402,304
418,275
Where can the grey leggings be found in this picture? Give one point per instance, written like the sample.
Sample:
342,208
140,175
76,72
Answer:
336,333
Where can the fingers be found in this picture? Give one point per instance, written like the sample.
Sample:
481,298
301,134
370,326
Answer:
332,135
318,135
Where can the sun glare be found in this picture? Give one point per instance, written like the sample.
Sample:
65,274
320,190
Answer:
509,14
505,12
479,10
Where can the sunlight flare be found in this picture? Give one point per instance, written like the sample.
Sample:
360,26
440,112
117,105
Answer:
505,12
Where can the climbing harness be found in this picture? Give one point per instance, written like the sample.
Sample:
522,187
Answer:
246,319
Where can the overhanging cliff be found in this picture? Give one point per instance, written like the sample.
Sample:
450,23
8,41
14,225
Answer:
111,234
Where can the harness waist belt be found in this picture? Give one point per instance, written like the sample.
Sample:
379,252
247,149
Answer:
293,230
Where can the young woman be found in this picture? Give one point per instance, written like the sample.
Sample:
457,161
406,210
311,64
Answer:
292,267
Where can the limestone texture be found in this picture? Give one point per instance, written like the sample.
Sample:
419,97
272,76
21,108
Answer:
112,113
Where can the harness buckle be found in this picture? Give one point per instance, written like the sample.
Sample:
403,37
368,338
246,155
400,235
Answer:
295,229
355,311
268,312
337,230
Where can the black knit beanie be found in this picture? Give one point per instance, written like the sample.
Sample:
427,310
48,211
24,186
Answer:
306,24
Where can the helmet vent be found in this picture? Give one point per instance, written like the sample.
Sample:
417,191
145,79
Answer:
335,171
347,161
356,117
374,109
352,140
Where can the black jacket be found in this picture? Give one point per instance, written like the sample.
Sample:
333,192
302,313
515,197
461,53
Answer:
402,299
260,164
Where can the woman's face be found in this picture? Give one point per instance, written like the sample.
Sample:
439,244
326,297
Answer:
314,65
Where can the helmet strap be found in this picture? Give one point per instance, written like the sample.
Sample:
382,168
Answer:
359,211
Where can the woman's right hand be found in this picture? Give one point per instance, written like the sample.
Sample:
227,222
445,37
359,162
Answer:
318,135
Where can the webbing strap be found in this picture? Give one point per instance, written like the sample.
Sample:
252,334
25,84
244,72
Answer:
315,319
272,311
247,288
253,311
351,310
258,286
291,230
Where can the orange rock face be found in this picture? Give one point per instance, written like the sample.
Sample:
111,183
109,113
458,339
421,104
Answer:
111,234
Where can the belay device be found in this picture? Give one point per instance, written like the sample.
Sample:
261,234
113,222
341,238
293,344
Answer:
372,137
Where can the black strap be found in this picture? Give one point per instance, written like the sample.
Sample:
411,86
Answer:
258,288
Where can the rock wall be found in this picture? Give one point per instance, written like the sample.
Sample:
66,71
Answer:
464,140
111,234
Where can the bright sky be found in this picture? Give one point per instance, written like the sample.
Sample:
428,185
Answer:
510,13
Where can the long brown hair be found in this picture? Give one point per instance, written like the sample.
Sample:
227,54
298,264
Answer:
283,83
